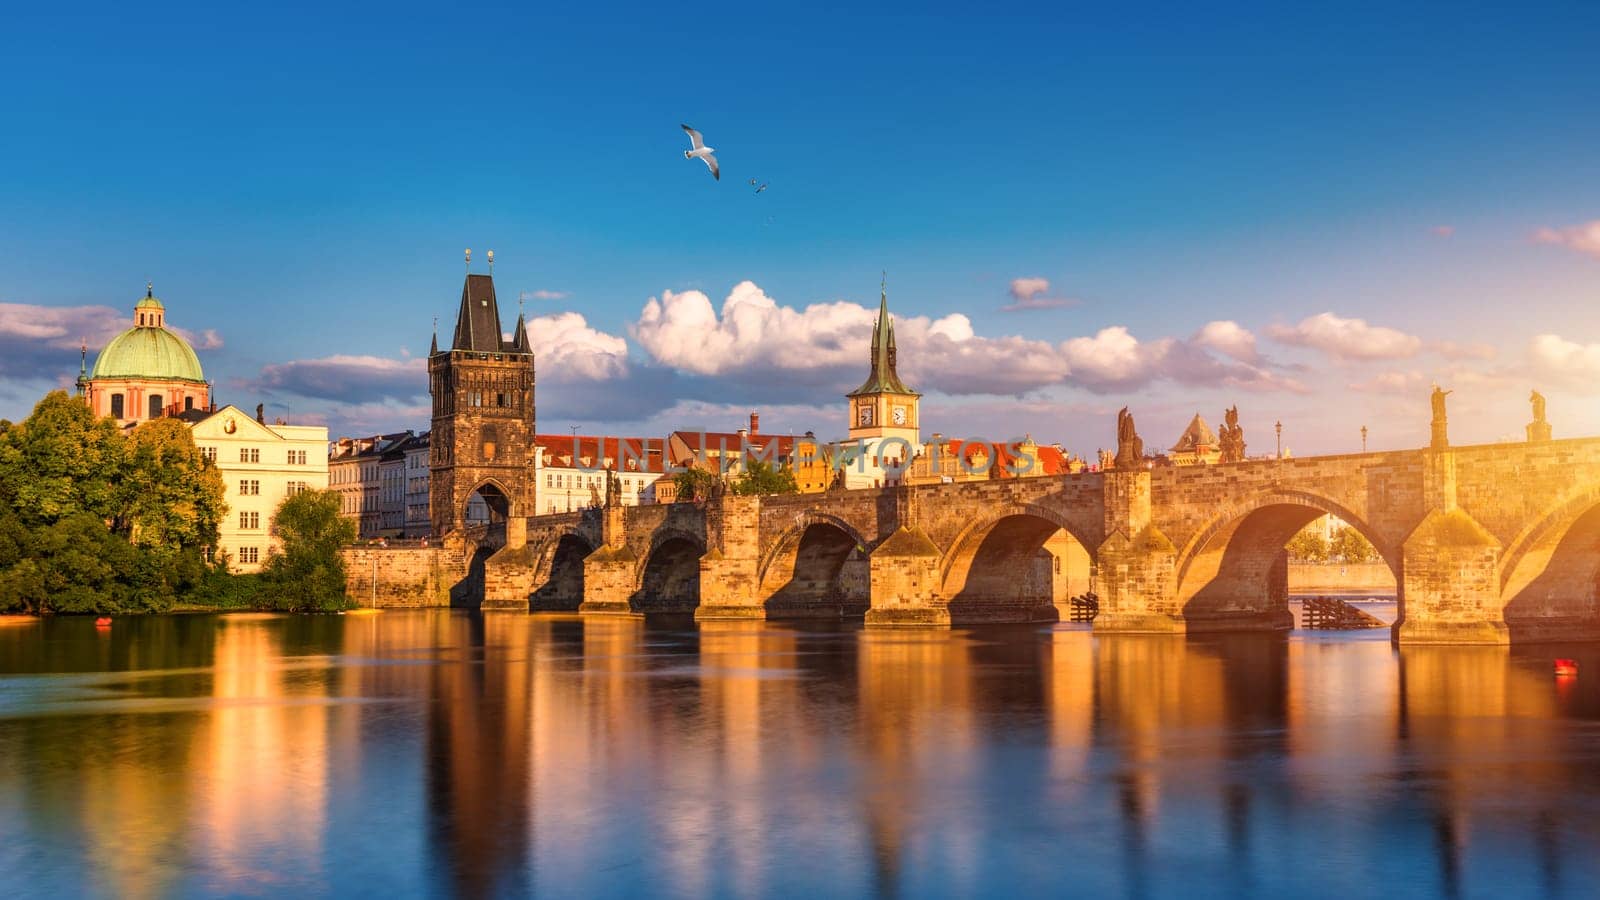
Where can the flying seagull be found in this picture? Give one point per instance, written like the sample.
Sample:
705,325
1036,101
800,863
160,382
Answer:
758,189
701,152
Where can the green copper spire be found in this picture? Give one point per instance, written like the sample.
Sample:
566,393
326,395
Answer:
884,378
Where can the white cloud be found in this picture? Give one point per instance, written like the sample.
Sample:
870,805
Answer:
829,344
1572,363
1229,338
1583,238
543,294
825,345
567,349
1347,339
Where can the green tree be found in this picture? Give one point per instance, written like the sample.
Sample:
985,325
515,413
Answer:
694,483
308,574
171,496
762,477
62,461
1350,546
1308,544
76,565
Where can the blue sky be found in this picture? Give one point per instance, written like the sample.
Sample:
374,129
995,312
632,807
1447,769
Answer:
302,181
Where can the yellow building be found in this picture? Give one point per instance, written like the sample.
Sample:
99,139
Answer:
261,465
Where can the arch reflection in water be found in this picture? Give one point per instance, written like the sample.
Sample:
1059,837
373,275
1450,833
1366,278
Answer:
467,754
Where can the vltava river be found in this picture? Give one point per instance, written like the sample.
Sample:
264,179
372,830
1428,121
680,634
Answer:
453,753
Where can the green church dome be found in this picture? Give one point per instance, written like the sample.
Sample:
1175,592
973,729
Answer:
148,352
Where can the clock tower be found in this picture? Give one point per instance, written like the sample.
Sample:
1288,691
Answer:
883,412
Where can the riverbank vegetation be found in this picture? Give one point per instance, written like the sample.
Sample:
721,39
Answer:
93,520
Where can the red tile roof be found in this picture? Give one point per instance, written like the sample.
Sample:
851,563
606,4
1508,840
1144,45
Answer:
642,454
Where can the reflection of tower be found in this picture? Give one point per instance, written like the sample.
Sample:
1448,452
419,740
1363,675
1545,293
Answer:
917,722
483,413
478,735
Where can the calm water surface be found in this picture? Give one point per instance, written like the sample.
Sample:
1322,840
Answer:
449,753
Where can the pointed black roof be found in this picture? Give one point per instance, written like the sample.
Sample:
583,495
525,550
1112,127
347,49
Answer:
519,337
478,323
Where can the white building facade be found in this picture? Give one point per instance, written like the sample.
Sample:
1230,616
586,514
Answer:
261,465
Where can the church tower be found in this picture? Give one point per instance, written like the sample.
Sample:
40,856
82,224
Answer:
883,409
482,389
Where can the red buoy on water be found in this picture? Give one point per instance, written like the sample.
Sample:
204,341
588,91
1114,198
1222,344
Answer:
103,622
1566,668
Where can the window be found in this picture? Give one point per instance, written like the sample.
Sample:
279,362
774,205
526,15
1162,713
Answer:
208,453
249,487
188,403
249,521
249,554
249,454
116,406
297,457
155,406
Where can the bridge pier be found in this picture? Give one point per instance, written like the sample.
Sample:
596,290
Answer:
730,584
904,579
1450,583
609,572
1138,581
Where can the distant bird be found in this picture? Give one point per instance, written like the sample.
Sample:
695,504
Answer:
758,189
701,152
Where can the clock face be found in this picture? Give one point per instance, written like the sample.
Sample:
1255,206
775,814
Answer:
899,415
866,415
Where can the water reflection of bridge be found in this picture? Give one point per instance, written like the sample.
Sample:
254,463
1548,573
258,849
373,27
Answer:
1486,543
502,754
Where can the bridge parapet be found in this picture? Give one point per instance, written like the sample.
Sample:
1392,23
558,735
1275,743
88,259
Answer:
1486,542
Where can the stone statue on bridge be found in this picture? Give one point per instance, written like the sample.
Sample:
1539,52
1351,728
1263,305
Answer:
1441,437
1230,443
1130,448
1538,429
613,488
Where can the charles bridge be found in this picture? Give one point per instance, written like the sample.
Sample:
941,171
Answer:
1488,544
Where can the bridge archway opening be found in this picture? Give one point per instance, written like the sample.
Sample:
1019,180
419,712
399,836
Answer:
488,504
1553,588
562,589
670,579
1237,578
820,573
1018,568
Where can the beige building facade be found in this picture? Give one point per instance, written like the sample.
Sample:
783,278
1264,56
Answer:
260,465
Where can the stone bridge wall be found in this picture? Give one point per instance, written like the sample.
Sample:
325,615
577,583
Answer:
1472,535
408,577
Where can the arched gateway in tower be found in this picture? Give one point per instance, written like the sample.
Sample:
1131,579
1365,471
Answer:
482,388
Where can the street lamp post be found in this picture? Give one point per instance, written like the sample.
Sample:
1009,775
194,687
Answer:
1278,426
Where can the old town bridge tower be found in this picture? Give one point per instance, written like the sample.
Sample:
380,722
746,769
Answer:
482,388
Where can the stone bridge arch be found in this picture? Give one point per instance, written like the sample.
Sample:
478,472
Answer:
816,568
1015,565
667,578
1232,573
1550,572
557,576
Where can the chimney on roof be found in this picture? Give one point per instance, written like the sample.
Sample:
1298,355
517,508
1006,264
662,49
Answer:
755,422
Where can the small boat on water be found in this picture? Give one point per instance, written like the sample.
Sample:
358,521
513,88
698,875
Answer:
1566,668
103,622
